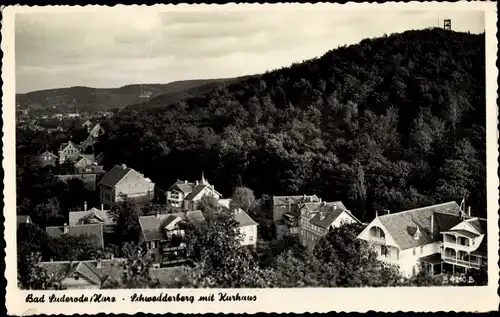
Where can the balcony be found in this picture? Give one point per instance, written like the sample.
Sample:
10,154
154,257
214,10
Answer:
452,260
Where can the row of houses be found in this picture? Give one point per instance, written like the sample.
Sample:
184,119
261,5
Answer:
443,238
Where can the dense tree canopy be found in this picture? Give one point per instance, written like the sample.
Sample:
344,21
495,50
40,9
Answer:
390,123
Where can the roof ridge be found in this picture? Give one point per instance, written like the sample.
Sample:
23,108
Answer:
420,208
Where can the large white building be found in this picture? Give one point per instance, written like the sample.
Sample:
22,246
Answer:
442,238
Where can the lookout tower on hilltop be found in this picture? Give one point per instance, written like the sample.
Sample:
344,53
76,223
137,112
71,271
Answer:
447,24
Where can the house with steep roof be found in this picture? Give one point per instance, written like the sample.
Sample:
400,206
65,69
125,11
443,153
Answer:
163,235
285,213
122,181
246,225
84,160
316,219
94,231
441,238
68,152
93,274
186,195
87,125
92,216
47,159
94,133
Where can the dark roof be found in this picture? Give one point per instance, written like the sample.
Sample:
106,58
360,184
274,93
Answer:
479,224
326,213
294,199
109,269
403,225
243,218
102,216
64,145
115,175
94,169
150,225
22,219
93,230
434,258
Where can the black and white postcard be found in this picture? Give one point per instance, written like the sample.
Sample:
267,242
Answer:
250,158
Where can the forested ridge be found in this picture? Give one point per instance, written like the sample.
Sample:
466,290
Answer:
394,123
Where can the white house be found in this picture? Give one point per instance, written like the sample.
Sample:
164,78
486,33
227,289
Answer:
187,195
414,237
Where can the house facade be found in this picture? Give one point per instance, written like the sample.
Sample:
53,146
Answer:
187,195
124,181
247,227
317,218
47,159
68,152
441,238
286,214
163,236
93,274
92,216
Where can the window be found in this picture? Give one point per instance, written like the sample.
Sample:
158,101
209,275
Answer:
414,251
250,238
384,251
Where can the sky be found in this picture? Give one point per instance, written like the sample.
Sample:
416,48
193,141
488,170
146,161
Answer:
113,48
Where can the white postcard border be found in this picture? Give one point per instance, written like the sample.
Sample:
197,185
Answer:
479,299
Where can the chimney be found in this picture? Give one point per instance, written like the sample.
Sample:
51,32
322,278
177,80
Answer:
468,211
388,211
66,228
124,166
84,206
197,182
432,224
98,264
376,213
185,182
157,214
102,207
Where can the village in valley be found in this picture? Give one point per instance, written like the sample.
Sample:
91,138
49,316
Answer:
445,239
306,176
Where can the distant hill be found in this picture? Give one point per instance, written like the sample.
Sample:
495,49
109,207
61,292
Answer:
87,99
182,90
395,122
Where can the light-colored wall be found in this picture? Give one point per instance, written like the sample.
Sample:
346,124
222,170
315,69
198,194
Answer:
249,234
343,218
80,283
207,191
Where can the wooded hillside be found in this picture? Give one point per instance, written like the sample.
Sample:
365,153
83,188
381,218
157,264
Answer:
390,123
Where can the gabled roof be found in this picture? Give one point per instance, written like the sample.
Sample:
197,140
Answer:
150,225
184,186
63,146
326,212
93,230
294,199
463,233
195,194
94,169
243,219
86,271
102,216
403,225
108,269
48,153
115,175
